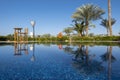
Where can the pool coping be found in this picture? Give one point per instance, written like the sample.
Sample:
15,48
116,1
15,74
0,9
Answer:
57,41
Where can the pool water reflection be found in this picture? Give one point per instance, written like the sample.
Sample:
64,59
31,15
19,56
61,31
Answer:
59,62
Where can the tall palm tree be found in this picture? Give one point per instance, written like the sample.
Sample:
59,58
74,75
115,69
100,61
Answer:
87,13
109,17
105,23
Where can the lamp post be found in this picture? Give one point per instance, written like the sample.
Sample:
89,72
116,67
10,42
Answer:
33,25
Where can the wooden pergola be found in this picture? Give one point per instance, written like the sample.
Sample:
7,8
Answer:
20,36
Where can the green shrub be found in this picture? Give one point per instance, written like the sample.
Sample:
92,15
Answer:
3,38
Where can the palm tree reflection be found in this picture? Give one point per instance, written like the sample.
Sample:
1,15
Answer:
108,57
84,62
68,49
79,53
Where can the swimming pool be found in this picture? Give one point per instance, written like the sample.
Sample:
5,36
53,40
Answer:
59,62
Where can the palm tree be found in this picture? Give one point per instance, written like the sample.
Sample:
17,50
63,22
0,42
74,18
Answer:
79,27
105,23
109,17
87,13
68,30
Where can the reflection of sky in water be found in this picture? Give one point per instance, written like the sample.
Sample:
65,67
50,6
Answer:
52,63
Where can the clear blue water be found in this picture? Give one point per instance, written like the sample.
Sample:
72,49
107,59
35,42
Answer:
59,62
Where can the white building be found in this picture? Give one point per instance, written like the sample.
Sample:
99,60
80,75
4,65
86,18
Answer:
31,34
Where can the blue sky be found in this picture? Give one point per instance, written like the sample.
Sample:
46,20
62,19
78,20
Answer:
51,16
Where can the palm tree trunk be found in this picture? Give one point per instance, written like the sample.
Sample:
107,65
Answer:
83,33
80,34
109,17
87,28
107,32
